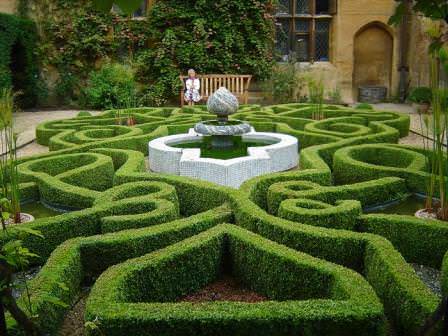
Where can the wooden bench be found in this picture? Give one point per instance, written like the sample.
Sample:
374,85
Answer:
237,84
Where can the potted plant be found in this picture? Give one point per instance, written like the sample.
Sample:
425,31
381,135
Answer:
9,177
421,98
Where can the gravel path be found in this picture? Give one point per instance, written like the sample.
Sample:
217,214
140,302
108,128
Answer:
431,278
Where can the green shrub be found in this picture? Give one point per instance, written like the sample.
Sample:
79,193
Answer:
277,272
80,257
367,162
406,299
404,232
421,95
185,36
368,193
84,114
18,61
284,84
342,215
110,87
364,106
128,197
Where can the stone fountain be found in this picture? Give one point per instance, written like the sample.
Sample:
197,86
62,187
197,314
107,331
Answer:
280,154
222,131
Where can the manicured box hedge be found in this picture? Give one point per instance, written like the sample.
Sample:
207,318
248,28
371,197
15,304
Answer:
135,296
107,177
368,162
368,193
78,258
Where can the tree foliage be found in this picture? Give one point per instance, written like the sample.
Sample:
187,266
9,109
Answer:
433,9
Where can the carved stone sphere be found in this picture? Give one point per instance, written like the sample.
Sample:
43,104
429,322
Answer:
222,103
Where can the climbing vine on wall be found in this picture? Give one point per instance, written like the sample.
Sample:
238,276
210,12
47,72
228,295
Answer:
224,36
18,61
76,40
212,36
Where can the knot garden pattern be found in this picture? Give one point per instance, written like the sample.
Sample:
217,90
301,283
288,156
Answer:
300,238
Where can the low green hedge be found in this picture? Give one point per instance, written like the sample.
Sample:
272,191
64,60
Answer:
257,188
78,258
367,162
368,193
342,215
406,232
407,301
137,213
343,127
321,157
134,296
72,180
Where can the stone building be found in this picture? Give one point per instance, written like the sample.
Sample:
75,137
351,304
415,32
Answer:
8,6
347,43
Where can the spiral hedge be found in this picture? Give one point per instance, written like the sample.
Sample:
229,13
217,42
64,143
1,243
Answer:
300,238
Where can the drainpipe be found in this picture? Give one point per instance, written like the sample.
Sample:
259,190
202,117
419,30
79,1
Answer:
403,67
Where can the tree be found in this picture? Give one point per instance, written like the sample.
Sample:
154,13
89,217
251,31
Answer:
433,9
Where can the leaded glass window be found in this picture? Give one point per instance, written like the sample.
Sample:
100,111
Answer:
302,7
282,33
303,30
283,7
140,12
322,44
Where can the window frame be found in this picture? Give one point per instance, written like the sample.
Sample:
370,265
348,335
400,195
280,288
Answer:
312,17
148,4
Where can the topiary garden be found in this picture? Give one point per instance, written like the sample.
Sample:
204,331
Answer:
302,239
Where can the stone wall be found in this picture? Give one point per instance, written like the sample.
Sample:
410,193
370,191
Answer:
374,58
8,6
376,51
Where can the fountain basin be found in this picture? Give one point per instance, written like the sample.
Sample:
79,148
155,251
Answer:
282,155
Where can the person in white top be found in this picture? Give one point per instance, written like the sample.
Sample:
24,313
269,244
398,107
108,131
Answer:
192,87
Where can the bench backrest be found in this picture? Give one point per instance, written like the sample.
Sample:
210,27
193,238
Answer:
237,84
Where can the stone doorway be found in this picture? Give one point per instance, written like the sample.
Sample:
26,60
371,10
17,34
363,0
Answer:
373,50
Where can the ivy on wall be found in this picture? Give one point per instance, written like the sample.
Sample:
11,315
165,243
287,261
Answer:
18,61
76,39
224,36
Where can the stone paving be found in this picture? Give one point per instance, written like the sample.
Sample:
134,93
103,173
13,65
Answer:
26,123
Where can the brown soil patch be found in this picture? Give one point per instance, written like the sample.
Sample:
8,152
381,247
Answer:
224,289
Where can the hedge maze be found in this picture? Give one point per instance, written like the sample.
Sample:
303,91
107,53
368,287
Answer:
299,238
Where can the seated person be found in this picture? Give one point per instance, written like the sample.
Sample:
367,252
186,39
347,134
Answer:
192,87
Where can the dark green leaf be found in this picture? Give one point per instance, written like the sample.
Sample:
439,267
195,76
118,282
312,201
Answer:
103,5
